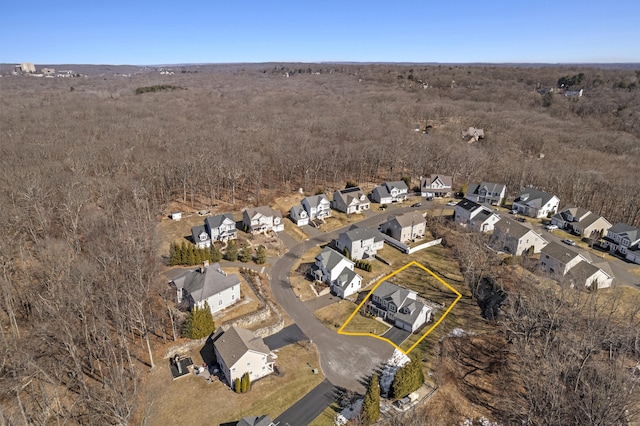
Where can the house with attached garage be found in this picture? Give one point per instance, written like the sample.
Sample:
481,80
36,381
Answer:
486,193
221,227
239,351
200,237
401,307
623,240
256,421
515,238
476,216
581,222
350,200
262,220
299,215
436,186
360,243
209,284
317,206
534,203
390,192
559,261
405,228
336,270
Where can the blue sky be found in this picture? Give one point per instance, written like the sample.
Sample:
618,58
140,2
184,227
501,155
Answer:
139,32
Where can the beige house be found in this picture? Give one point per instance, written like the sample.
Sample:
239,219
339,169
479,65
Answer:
350,200
239,351
515,238
405,228
262,219
559,260
581,221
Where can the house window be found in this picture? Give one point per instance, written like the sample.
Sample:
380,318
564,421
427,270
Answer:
219,302
248,364
233,296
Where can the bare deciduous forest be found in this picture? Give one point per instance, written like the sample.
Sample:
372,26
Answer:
89,167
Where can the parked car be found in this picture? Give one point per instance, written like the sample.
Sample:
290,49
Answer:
569,242
382,207
521,219
551,227
452,203
416,205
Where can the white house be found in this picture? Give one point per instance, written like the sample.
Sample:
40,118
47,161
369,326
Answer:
486,192
299,215
350,200
390,192
336,270
262,219
239,351
581,221
399,306
436,186
534,203
515,238
221,227
476,216
200,237
209,284
360,242
407,227
317,206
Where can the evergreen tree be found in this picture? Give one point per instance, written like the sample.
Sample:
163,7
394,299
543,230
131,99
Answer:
197,256
261,255
173,254
371,404
237,386
214,254
199,323
183,253
191,255
245,383
232,251
245,254
408,378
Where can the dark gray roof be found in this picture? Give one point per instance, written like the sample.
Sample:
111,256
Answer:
483,215
559,252
346,276
380,192
400,184
358,234
255,421
233,343
489,186
314,200
349,194
214,222
534,198
629,231
329,258
391,292
411,316
512,228
409,219
202,285
468,204
196,231
583,270
296,212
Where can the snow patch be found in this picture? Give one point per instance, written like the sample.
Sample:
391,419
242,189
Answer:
350,412
389,369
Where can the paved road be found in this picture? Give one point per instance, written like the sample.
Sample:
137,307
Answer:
310,406
284,337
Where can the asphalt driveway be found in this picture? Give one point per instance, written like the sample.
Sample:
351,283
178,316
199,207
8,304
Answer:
396,335
310,406
284,337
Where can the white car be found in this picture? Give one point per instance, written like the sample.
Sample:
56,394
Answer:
452,203
551,227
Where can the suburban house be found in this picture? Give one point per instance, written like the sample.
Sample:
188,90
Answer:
581,222
624,240
262,219
476,216
200,237
317,206
559,260
256,421
436,186
534,203
299,215
360,242
239,351
350,200
210,284
390,192
336,270
405,228
515,238
486,192
399,306
221,227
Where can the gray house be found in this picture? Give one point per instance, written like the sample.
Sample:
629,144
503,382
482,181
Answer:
317,206
200,236
535,203
336,270
624,240
390,192
299,215
515,238
399,306
209,284
360,242
486,192
262,219
407,227
221,227
436,186
350,200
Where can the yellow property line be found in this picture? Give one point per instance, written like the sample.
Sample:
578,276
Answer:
412,263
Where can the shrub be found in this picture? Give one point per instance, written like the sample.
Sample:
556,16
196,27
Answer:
199,323
232,251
